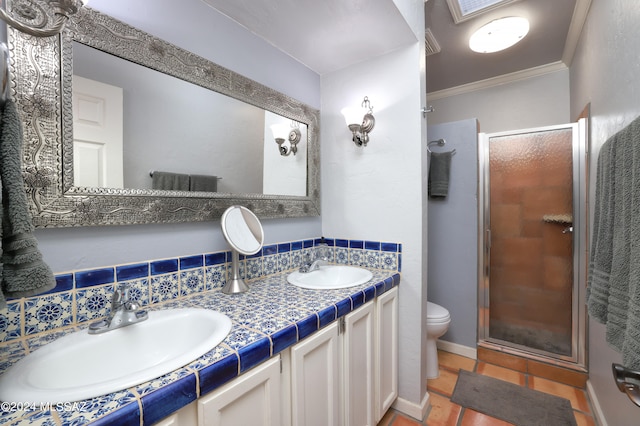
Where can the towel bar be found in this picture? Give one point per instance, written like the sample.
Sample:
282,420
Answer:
439,142
151,172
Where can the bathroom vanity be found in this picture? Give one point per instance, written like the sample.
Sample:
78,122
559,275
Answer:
293,356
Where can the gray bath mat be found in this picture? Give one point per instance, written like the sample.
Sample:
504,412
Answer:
511,403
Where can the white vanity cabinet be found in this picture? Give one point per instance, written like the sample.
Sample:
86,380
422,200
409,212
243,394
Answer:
348,377
251,399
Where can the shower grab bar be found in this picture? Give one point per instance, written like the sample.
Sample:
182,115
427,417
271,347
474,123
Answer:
628,381
439,142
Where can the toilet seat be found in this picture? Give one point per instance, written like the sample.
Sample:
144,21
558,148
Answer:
437,314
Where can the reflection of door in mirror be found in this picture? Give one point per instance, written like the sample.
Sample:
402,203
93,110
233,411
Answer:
97,134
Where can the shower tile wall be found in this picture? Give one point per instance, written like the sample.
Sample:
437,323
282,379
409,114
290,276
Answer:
531,260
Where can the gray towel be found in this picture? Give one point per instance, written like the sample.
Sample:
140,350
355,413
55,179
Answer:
24,273
439,173
170,181
613,289
204,183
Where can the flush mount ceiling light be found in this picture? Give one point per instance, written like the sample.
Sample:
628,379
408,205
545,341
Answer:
32,16
499,34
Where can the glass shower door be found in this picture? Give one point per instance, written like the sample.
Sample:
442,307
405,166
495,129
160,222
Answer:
531,262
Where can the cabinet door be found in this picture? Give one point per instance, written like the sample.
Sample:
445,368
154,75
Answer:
251,399
359,367
314,380
386,351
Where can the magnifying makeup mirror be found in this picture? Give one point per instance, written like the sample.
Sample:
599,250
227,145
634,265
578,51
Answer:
243,232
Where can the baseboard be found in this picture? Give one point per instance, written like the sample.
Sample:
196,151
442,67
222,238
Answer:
412,409
457,349
595,404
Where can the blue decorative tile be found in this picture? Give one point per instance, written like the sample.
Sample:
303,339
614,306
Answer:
391,247
254,268
371,259
10,322
241,336
128,415
90,410
284,247
164,288
47,312
254,353
219,373
215,276
191,281
357,300
162,381
214,355
327,316
296,259
307,243
307,326
388,261
11,353
94,277
270,265
93,303
343,307
399,262
356,257
342,243
371,245
191,262
215,258
166,266
131,272
341,256
64,282
369,293
270,250
296,245
169,399
139,291
284,338
356,244
284,261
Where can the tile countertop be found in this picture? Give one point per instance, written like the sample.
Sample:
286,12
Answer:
272,316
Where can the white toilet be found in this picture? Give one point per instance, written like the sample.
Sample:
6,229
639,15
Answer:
438,320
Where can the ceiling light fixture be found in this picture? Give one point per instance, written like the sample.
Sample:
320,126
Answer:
499,34
31,17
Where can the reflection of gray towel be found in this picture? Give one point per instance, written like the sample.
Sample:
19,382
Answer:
24,273
203,183
170,181
439,171
613,292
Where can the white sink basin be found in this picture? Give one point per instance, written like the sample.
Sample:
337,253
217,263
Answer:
80,365
330,277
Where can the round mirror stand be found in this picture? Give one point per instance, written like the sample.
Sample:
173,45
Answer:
244,233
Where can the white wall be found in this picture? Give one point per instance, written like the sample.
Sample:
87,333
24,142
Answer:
533,102
200,29
376,191
605,73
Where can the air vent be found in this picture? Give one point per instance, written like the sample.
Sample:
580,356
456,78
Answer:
432,45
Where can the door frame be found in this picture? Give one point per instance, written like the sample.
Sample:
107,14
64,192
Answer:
578,358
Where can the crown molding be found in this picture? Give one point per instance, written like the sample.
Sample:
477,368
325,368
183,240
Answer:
497,81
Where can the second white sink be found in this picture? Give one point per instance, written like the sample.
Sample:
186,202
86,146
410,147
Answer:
330,277
80,365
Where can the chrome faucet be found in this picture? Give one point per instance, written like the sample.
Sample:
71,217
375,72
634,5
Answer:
124,312
312,266
321,255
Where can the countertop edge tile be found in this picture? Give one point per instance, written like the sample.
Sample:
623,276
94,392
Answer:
168,399
220,372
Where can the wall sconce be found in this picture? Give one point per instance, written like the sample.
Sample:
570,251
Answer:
355,115
282,132
32,18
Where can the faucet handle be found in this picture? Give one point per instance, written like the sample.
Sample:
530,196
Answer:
120,295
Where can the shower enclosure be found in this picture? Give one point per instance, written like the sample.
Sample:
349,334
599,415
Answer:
533,243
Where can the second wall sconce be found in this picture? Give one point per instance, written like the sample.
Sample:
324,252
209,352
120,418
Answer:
360,121
282,132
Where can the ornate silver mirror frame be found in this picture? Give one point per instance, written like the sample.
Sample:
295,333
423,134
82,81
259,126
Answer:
41,73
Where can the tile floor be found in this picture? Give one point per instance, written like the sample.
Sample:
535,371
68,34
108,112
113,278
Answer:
445,413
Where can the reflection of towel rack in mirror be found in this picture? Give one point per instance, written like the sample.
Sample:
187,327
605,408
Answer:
153,171
439,142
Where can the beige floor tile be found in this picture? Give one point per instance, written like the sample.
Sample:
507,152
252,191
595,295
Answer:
443,384
576,396
442,412
501,373
474,418
455,362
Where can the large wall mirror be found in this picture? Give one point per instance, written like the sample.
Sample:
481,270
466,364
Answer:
188,138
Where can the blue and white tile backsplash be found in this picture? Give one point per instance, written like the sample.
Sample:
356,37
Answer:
84,296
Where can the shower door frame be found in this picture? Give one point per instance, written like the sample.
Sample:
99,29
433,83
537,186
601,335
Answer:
578,358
